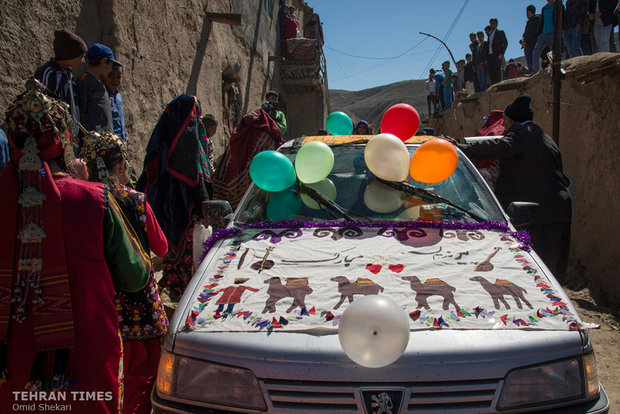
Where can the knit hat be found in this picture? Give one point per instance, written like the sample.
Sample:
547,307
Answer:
68,45
519,110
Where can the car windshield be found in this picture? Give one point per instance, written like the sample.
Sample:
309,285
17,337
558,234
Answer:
352,192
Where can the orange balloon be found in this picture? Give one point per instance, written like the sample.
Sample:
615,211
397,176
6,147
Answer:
433,161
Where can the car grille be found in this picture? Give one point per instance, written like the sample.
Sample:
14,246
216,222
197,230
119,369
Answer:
339,397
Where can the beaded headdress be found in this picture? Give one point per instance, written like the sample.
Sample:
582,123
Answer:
35,113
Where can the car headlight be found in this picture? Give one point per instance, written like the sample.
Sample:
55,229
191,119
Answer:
196,380
550,383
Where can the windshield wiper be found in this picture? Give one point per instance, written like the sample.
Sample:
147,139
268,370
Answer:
321,199
427,196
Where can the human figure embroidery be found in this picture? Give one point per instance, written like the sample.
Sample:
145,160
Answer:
231,295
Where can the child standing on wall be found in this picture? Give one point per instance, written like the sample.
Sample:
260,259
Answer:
112,83
95,108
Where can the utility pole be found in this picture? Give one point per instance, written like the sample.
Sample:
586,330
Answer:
444,45
556,67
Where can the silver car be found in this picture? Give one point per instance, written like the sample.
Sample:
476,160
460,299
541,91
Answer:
491,328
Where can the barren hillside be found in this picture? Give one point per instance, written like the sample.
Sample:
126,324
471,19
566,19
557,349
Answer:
370,104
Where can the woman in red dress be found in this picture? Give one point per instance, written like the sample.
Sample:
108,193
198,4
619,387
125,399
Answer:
64,250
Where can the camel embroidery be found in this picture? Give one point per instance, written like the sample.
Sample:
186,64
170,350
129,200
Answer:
486,265
501,288
429,288
296,288
361,286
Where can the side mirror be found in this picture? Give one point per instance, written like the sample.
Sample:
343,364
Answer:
217,212
522,213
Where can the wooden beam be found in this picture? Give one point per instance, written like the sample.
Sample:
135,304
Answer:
232,19
556,69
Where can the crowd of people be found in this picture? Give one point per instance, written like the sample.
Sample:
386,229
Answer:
80,306
587,27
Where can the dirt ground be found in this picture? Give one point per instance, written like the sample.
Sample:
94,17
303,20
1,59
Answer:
605,340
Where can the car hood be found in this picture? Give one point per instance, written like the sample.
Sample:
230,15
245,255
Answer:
477,276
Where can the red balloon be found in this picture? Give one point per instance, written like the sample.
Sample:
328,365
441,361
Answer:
401,120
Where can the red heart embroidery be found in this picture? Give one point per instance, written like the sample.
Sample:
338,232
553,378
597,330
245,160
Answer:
415,314
397,268
373,268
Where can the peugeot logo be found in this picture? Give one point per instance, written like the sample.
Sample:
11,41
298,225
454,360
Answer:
385,401
382,403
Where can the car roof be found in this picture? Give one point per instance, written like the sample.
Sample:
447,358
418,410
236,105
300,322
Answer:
357,139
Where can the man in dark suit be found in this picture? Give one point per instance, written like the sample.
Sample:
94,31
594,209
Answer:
497,46
481,60
473,46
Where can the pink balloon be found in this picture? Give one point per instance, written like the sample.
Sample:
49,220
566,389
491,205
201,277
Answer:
401,120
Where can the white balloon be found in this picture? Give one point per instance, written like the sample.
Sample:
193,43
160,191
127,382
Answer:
383,199
373,331
387,157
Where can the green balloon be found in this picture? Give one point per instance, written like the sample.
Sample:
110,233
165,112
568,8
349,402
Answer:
339,123
272,171
325,187
314,162
283,205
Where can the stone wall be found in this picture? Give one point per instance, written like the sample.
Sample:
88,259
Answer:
166,47
589,142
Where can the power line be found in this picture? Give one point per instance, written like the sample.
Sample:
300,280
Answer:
342,69
456,19
382,63
454,22
373,58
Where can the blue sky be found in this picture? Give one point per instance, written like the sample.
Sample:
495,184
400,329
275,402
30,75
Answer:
381,29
